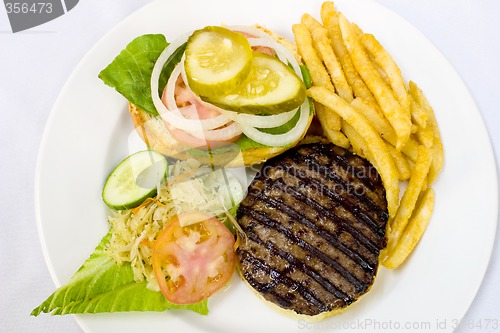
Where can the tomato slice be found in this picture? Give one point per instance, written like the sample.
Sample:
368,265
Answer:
191,263
197,143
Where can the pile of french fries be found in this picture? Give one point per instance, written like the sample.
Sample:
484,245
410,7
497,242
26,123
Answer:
364,104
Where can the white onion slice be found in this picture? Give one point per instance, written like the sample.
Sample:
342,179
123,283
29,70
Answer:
170,87
220,134
158,67
259,121
284,139
174,117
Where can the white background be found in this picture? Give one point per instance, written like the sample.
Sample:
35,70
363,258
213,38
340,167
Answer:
35,64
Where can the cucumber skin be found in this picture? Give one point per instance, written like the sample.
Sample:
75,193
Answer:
203,88
140,200
257,109
262,109
133,204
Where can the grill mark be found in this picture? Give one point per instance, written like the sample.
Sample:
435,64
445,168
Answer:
263,218
378,209
303,267
313,163
325,234
345,225
282,278
346,205
344,161
344,202
259,286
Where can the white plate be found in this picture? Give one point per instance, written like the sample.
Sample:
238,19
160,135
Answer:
87,135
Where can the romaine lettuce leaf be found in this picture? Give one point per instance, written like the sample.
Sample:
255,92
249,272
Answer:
101,285
130,72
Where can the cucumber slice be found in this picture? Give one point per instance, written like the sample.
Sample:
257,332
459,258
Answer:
271,87
134,179
217,60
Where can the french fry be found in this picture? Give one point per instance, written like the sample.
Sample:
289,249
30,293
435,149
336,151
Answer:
425,136
438,157
400,119
413,231
359,147
418,115
437,151
357,30
338,138
381,125
380,71
324,115
409,199
319,75
419,97
331,23
324,48
356,141
410,149
411,164
310,22
384,60
376,147
401,163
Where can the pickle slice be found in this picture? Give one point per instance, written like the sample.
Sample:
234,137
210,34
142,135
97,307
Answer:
217,60
271,87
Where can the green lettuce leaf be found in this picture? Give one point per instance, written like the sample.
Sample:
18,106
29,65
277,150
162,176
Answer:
101,285
130,72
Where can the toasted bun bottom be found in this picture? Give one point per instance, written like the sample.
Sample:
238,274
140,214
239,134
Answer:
156,135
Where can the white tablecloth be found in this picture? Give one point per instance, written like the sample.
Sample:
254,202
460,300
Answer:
35,64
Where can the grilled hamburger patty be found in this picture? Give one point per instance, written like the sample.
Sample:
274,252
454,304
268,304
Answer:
314,219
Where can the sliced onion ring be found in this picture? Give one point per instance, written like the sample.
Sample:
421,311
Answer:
259,121
225,133
220,134
284,139
175,118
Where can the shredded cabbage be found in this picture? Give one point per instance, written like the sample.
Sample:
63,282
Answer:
189,187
